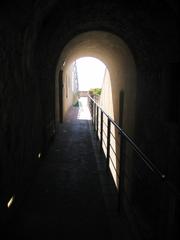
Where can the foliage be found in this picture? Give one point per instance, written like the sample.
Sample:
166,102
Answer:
95,91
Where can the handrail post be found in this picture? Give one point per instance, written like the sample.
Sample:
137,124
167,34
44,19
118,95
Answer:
94,113
101,134
108,143
97,119
91,106
121,171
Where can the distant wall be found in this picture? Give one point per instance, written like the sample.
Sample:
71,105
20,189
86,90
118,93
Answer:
83,93
68,95
106,100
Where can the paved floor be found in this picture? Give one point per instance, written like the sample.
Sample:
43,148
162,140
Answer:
72,197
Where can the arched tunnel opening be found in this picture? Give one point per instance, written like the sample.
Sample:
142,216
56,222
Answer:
120,78
90,72
114,53
138,41
80,78
83,77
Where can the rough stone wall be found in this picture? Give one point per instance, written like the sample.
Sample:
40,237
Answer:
22,136
32,36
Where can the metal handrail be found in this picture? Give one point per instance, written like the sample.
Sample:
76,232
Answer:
146,160
142,155
169,193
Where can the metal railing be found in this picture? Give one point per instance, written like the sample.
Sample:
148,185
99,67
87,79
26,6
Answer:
98,116
94,110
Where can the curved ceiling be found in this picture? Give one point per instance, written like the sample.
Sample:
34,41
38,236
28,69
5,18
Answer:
105,46
112,51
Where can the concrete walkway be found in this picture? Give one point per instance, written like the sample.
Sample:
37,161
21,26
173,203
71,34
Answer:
72,197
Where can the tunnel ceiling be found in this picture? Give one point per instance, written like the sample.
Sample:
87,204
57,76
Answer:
112,51
59,22
52,24
103,45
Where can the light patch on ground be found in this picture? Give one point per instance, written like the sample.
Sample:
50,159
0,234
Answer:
83,113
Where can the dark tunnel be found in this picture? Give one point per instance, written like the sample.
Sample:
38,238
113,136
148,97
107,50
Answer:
138,41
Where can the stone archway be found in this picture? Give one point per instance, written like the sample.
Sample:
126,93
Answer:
115,54
119,87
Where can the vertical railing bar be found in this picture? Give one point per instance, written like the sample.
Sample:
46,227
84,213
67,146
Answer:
101,134
108,142
121,171
94,116
97,119
91,108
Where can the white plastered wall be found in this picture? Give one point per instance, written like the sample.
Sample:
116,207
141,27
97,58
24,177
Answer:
120,77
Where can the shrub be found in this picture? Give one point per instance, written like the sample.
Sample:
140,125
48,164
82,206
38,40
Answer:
95,91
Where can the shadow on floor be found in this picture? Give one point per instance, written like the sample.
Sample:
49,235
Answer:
71,196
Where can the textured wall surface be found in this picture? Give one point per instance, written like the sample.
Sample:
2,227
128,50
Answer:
32,37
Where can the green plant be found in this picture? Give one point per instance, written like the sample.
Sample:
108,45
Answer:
95,91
